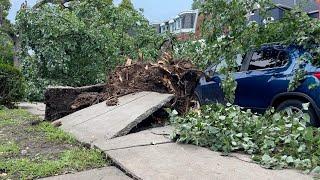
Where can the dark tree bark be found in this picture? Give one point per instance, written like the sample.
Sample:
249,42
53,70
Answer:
17,50
42,2
1,16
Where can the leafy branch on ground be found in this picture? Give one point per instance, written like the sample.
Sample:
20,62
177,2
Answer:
274,140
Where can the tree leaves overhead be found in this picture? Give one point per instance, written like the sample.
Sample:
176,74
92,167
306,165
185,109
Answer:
79,44
196,4
126,4
5,6
6,34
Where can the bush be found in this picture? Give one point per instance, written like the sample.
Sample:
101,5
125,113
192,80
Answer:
274,140
11,86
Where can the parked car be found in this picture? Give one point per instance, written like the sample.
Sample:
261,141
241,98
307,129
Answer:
263,79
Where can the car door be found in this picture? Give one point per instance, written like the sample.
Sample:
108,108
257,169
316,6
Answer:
266,74
210,90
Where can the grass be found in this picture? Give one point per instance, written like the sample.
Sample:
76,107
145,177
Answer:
47,150
9,148
53,134
14,117
77,159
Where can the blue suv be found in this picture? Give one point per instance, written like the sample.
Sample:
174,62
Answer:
263,79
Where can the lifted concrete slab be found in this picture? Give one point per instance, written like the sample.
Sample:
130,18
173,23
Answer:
102,122
175,161
106,173
143,138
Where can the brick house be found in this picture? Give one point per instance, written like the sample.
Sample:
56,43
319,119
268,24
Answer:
182,25
278,12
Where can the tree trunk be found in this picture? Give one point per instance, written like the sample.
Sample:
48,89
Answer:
16,48
1,16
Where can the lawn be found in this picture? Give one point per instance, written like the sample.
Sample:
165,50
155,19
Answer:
32,149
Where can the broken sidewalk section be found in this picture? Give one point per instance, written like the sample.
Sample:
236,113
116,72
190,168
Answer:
100,122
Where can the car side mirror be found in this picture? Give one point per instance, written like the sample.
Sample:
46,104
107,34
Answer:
209,73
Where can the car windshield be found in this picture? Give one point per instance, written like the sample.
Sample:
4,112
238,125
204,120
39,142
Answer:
217,67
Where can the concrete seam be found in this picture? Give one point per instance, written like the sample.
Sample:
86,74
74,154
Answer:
141,145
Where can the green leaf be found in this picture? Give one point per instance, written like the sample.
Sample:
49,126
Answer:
308,134
302,148
300,128
289,159
316,170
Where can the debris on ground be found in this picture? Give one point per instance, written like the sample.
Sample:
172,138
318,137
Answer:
59,100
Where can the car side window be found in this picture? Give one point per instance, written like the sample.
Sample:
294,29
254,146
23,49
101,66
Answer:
268,58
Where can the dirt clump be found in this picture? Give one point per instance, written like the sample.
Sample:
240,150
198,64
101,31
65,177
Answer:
178,77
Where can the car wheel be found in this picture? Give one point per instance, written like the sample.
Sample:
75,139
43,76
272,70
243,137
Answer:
296,106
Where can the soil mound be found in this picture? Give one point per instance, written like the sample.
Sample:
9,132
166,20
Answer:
178,77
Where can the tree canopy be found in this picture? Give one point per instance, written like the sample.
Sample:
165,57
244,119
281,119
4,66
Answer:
196,4
126,4
79,43
6,33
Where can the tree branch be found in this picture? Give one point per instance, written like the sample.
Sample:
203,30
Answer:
1,16
42,2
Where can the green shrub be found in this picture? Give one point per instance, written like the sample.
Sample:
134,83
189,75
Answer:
11,85
273,139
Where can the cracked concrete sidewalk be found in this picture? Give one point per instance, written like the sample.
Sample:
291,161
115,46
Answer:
152,155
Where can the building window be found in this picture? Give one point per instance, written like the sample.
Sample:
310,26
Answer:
178,23
192,20
183,20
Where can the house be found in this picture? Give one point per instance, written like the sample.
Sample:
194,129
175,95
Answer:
281,6
181,25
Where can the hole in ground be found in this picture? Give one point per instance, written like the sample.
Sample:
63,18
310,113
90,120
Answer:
159,118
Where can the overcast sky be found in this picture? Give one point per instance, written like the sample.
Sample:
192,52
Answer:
154,10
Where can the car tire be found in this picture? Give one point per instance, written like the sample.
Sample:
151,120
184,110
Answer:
297,104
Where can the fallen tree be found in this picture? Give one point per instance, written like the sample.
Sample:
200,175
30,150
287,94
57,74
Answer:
178,77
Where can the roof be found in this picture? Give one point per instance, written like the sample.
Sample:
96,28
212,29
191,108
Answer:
188,12
307,5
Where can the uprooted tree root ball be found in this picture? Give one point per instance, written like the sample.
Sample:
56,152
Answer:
175,77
